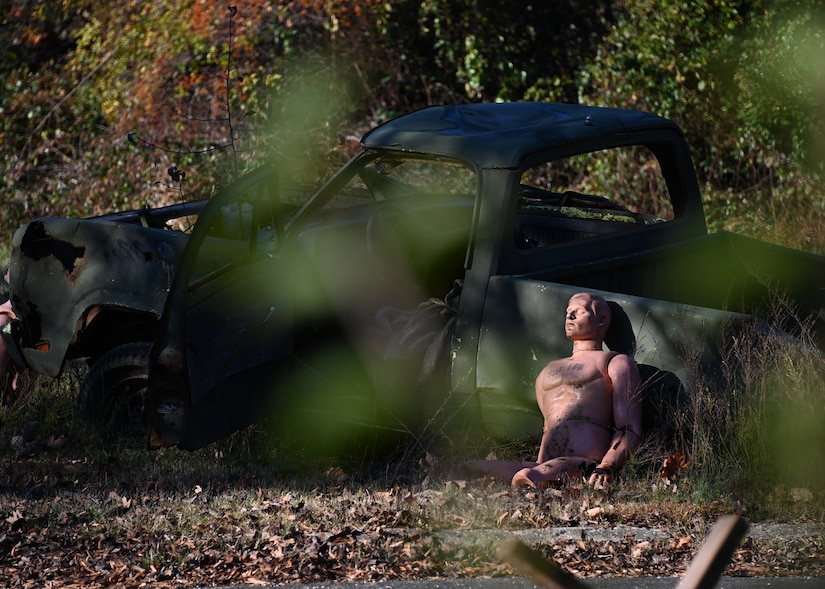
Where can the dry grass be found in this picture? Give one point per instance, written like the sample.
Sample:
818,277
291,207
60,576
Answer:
753,434
83,516
80,511
77,509
757,424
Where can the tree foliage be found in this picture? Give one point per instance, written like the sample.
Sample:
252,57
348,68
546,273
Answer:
500,51
204,86
780,82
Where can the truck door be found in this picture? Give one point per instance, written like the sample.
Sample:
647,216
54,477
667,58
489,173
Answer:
227,320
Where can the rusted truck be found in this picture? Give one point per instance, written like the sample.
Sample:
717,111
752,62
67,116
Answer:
434,268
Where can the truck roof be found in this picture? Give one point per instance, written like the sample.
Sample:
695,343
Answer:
500,135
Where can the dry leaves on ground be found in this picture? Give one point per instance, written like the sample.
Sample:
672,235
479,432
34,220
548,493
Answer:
77,523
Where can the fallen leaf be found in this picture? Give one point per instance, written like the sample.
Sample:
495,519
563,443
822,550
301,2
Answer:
640,549
56,442
15,517
336,473
673,466
428,462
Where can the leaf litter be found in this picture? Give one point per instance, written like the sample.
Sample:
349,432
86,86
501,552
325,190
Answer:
114,522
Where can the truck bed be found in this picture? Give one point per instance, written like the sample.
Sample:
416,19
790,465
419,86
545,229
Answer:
670,307
721,271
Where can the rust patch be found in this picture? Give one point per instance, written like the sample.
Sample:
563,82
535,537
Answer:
37,244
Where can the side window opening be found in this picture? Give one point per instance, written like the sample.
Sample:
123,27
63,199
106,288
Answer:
591,194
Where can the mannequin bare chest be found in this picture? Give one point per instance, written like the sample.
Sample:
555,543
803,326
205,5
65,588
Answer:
577,387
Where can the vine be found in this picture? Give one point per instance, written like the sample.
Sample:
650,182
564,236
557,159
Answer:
227,79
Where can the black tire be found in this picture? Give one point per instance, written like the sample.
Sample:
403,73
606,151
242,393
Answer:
113,393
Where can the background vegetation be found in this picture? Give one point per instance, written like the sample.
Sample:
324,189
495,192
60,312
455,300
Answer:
99,99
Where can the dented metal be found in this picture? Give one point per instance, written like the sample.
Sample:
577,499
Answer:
65,272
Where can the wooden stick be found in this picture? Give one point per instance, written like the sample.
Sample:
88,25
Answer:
715,553
703,573
534,566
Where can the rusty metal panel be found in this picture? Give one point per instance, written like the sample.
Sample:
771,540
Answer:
63,268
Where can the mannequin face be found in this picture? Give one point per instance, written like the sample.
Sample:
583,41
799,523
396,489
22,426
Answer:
582,320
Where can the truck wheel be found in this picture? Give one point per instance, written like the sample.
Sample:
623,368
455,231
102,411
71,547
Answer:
113,392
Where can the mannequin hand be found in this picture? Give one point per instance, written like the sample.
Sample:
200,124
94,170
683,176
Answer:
601,476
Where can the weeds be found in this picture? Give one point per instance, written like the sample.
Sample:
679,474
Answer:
752,431
104,515
258,501
754,420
